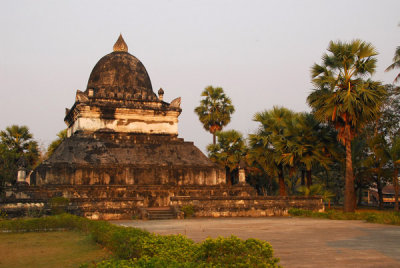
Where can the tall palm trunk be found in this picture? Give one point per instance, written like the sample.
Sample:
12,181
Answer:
214,138
303,175
282,188
309,179
396,188
349,193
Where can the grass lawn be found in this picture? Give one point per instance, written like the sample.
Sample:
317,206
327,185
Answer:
48,249
369,215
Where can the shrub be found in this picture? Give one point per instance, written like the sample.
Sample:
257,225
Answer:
188,211
133,247
234,252
3,215
58,205
35,212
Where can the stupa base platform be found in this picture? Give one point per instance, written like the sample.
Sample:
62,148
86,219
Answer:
115,202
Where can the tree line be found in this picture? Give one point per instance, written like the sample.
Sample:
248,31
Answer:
349,142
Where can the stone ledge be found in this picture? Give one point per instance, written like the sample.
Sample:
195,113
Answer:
93,199
132,186
277,198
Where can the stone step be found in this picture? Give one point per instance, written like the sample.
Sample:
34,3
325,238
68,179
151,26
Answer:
161,217
160,213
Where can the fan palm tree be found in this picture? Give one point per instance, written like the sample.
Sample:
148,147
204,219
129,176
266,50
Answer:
266,142
343,97
229,150
262,155
307,143
15,142
395,64
62,135
16,138
215,110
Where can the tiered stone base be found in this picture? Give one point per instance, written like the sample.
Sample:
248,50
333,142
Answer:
113,202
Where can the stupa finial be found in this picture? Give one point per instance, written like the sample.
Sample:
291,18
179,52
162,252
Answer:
120,45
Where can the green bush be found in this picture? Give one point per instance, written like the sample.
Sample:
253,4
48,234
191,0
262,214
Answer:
234,252
154,262
133,247
58,205
34,212
51,223
3,215
188,211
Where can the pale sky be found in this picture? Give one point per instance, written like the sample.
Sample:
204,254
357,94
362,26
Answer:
259,52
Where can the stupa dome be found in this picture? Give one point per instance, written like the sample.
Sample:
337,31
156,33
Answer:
120,75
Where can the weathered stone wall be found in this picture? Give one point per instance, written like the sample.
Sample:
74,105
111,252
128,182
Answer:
254,206
94,208
126,202
152,195
75,174
127,159
93,118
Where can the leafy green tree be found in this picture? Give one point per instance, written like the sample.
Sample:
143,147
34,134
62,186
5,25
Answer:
363,178
215,110
229,151
395,158
16,142
389,125
388,122
373,164
377,163
382,136
395,64
62,135
344,98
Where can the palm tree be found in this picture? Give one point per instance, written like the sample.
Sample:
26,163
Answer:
262,156
229,151
62,135
395,64
215,110
15,142
16,138
265,144
342,96
307,143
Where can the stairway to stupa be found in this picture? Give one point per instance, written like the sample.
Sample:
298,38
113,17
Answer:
160,213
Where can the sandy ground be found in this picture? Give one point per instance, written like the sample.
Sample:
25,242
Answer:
298,242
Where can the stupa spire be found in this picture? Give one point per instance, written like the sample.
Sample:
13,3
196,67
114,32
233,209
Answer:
120,45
